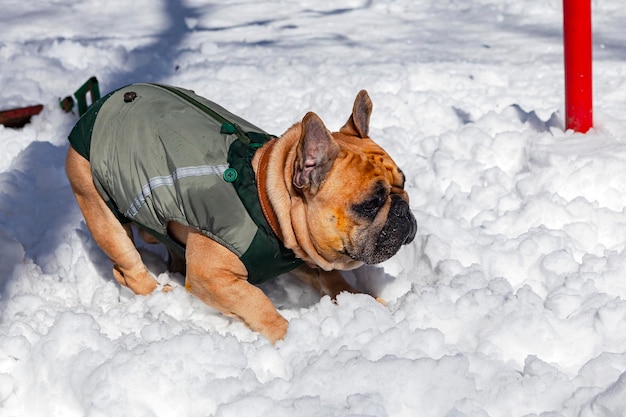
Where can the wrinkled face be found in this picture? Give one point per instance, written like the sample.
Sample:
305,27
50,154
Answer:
361,211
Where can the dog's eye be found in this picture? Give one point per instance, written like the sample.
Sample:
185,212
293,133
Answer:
369,208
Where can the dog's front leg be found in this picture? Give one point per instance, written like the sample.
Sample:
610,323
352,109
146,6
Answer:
217,277
330,283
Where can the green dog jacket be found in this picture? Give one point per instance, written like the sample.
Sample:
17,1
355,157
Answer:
161,153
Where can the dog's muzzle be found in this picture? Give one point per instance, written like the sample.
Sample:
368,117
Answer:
400,229
401,226
401,211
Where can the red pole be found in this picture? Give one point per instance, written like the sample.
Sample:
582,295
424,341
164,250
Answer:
577,51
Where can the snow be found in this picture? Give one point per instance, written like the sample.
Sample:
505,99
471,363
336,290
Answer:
510,302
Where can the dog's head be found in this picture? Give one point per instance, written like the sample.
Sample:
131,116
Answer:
357,210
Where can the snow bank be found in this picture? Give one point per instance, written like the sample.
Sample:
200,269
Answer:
510,302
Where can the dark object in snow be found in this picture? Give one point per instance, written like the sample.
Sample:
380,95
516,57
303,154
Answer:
17,118
90,86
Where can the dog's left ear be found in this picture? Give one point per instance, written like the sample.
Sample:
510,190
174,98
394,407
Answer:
315,155
359,122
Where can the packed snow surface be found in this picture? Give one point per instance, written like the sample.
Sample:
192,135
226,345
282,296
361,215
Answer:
510,302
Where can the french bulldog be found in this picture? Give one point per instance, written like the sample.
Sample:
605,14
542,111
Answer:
174,164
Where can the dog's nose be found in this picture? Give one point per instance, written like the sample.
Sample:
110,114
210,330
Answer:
400,208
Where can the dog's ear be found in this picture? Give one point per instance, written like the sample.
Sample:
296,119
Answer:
359,122
315,155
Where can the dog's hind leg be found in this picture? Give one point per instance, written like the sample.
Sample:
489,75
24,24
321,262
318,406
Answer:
175,262
113,238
